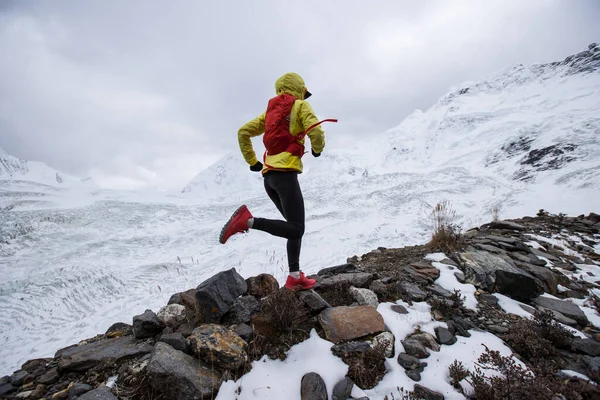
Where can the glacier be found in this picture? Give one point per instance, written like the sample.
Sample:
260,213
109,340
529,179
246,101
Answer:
76,258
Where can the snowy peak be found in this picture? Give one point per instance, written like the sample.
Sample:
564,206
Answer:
524,123
14,169
11,166
585,62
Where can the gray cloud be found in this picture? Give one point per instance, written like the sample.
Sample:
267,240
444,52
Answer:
147,93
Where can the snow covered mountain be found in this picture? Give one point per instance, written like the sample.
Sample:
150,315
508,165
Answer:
16,169
522,139
523,124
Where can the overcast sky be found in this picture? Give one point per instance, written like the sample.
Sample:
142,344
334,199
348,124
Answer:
148,93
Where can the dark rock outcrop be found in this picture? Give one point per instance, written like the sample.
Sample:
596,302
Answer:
146,325
216,295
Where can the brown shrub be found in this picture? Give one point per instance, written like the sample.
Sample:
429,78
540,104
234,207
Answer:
448,309
282,322
515,382
538,338
367,368
457,372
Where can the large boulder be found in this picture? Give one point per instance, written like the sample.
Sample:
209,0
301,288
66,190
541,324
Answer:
546,276
219,346
566,308
216,295
262,285
348,323
82,358
495,273
312,387
146,325
179,376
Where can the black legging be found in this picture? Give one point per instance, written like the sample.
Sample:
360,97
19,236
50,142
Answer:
284,190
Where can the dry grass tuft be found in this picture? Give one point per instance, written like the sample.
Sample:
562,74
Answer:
446,231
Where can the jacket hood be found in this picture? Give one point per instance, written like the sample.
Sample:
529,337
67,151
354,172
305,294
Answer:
291,83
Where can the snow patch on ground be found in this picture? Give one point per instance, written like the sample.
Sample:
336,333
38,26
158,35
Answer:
276,379
448,281
511,306
590,313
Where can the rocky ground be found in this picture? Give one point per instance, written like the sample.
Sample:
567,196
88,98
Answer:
531,282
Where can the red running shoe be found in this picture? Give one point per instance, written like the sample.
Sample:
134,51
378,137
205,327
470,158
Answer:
301,283
238,223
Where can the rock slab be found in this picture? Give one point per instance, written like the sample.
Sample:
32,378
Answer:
180,376
215,296
312,387
219,346
82,358
348,323
566,308
587,346
357,279
495,273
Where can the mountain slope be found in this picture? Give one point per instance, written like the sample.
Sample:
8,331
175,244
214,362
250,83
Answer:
116,253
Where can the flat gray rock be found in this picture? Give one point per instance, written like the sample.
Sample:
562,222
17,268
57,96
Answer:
503,239
82,358
358,279
506,225
587,346
495,273
566,308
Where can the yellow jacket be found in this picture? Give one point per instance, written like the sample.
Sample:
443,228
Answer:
302,116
